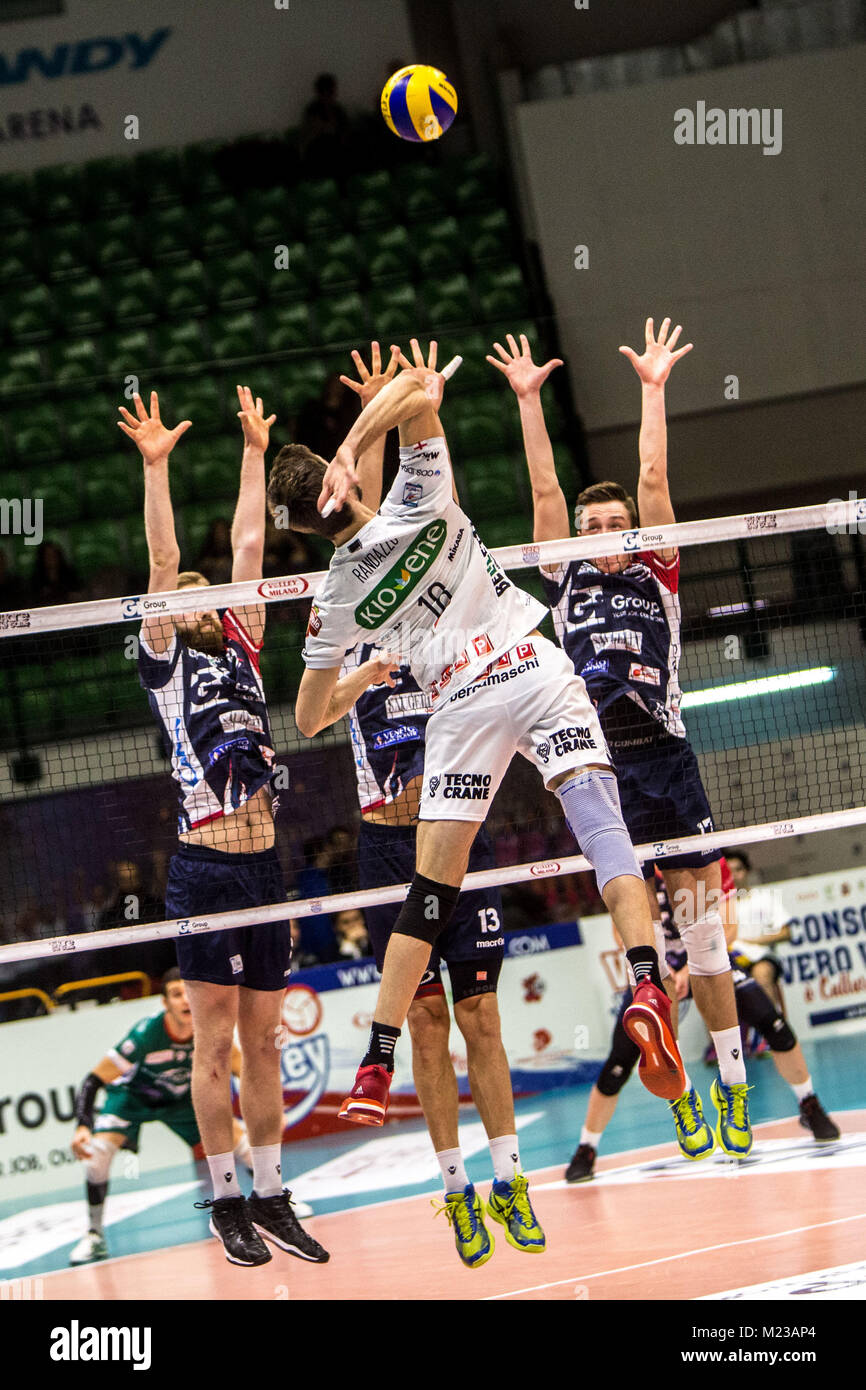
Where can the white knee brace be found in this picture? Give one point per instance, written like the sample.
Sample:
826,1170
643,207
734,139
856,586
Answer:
99,1162
705,945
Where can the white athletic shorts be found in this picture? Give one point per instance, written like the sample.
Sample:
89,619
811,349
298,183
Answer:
529,701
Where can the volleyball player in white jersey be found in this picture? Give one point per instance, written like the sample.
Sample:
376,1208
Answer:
617,617
416,576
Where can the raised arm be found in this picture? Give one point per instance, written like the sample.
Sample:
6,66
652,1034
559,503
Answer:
653,367
155,443
549,507
324,697
248,526
367,387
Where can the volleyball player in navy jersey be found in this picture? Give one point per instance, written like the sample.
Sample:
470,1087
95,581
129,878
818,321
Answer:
201,673
618,619
388,725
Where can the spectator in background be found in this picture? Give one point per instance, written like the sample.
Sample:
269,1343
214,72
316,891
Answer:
301,958
313,881
215,557
55,578
324,423
13,590
342,859
323,138
286,552
129,904
350,930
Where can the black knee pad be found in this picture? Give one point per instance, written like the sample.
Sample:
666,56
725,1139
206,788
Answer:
427,910
471,977
624,1054
756,1010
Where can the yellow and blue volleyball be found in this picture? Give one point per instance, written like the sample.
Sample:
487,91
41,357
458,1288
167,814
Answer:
419,103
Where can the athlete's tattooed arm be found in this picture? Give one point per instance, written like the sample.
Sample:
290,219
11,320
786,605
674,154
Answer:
155,442
653,367
550,510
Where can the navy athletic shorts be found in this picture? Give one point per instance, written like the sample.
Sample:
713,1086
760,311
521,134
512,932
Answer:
663,798
386,854
203,881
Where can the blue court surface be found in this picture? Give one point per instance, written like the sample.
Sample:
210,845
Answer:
361,1167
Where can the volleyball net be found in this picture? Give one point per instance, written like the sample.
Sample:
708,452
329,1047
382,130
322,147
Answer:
774,703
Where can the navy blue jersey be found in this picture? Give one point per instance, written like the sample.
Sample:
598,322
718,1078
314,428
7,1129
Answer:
388,726
622,633
214,721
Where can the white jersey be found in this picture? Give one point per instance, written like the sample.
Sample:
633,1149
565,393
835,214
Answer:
418,582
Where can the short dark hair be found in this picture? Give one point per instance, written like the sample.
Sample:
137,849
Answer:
169,978
605,492
295,483
742,856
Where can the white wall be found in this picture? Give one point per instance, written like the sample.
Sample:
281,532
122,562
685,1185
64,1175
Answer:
226,68
760,257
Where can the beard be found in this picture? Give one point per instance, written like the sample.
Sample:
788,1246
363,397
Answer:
201,638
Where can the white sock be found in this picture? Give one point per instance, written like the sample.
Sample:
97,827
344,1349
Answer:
729,1050
591,1137
802,1089
267,1170
453,1171
223,1175
506,1157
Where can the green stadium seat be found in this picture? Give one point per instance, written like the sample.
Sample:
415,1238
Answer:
17,256
439,247
13,484
339,262
388,254
476,373
96,545
506,530
19,368
61,493
214,469
341,319
502,292
35,433
202,178
91,421
115,242
448,301
319,208
291,281
75,359
474,184
30,314
109,185
196,521
301,381
234,335
394,314
82,704
200,399
34,717
81,305
286,326
488,237
59,193
179,343
65,251
183,289
136,551
134,297
422,191
16,200
234,279
374,199
270,215
219,226
113,486
128,352
159,175
493,487
166,234
479,424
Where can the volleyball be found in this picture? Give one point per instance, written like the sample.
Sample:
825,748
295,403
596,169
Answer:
418,103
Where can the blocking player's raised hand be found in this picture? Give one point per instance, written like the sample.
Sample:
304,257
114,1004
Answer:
524,376
370,381
655,362
256,428
153,439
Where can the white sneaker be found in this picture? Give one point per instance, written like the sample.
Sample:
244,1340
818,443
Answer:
89,1249
301,1209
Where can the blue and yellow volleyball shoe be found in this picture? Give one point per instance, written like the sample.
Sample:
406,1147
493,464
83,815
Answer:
509,1204
463,1211
694,1136
733,1131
